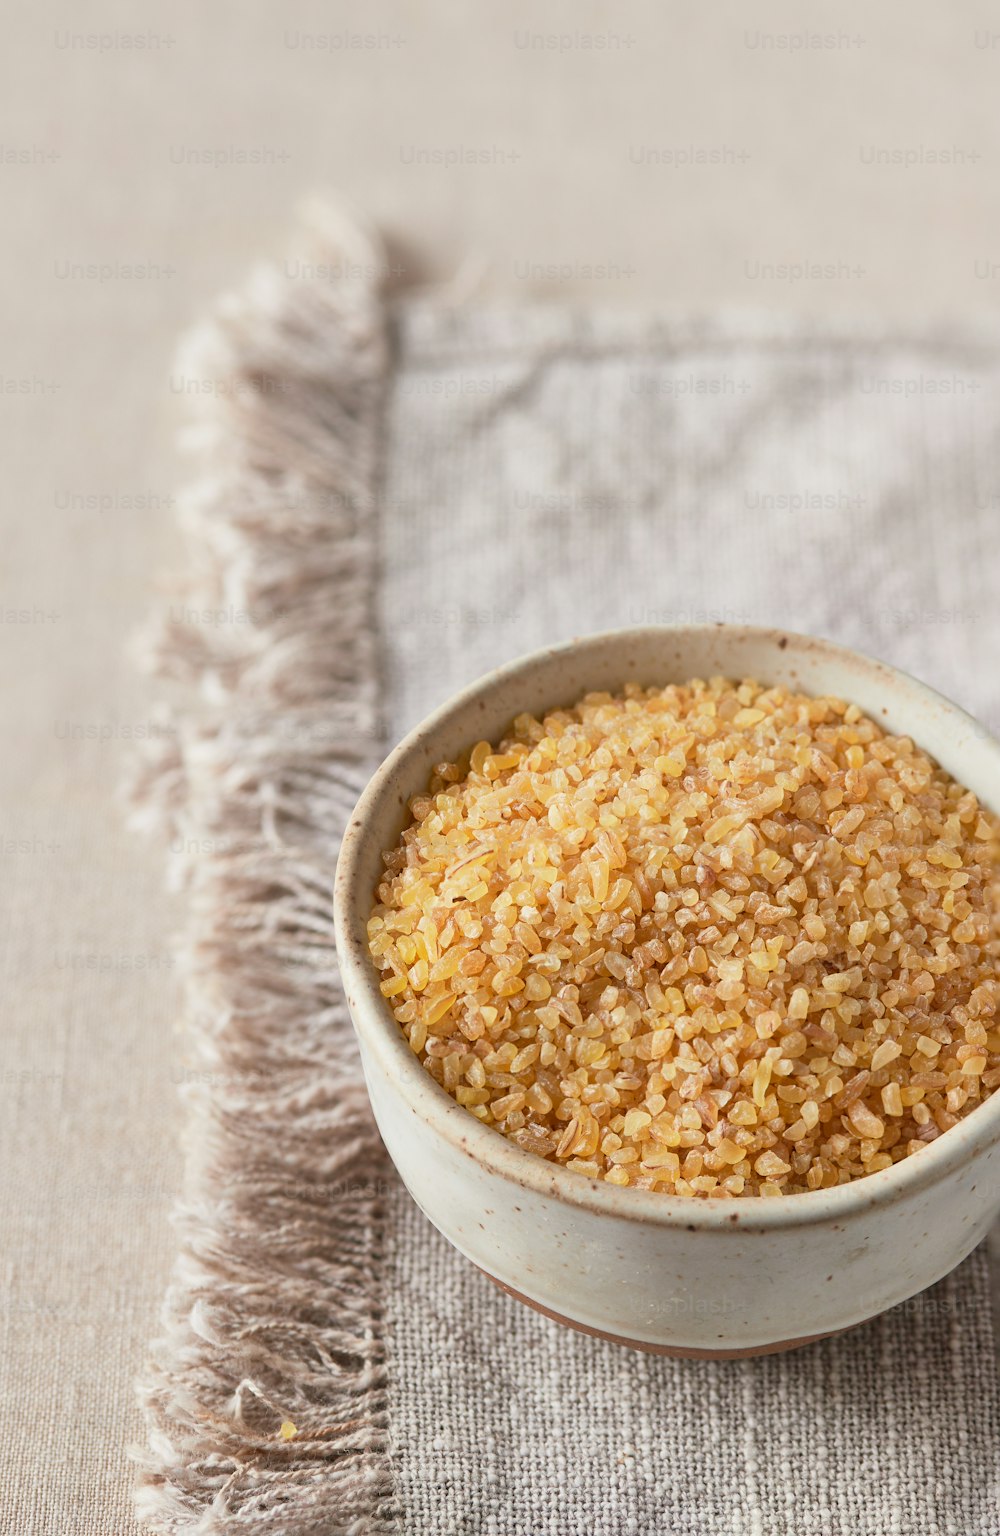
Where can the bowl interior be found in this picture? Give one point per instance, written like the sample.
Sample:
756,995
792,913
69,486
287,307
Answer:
606,662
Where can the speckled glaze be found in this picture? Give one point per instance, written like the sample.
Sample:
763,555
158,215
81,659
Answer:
652,1270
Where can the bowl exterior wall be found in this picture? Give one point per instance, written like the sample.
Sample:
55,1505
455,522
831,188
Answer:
743,1280
727,1288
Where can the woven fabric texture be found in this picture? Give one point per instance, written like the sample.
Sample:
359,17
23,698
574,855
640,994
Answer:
505,1424
548,475
534,475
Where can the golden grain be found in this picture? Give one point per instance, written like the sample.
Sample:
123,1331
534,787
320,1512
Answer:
717,940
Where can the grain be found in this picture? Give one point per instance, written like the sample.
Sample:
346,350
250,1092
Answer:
716,940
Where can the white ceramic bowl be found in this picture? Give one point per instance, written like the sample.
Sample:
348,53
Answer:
653,1270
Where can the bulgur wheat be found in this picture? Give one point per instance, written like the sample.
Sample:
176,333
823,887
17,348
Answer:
714,939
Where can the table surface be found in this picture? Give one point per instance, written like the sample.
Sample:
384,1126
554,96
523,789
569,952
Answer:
779,157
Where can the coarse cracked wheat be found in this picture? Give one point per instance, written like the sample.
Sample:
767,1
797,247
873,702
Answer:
715,939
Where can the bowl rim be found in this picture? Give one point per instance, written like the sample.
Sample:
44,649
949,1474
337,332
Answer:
380,1033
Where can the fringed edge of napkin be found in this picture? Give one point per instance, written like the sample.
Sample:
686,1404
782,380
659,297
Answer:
265,1398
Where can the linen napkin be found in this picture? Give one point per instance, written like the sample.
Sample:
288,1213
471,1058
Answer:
401,496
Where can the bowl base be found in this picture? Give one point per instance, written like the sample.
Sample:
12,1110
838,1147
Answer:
676,1351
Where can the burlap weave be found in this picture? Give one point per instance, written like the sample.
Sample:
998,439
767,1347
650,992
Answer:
541,474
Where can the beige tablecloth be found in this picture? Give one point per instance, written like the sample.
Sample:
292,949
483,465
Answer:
94,173
390,523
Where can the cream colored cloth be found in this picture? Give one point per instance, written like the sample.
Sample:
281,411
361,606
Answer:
386,534
551,474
